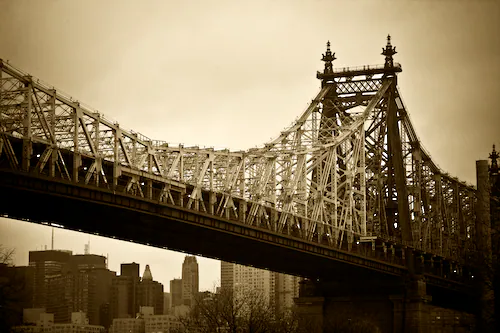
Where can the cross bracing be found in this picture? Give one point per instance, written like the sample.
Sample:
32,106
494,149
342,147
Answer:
350,168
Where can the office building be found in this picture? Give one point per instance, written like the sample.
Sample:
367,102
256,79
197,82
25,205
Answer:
286,288
123,302
83,284
190,280
150,292
46,265
175,292
278,289
226,275
166,303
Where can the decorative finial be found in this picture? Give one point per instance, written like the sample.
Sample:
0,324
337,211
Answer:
494,164
388,52
328,57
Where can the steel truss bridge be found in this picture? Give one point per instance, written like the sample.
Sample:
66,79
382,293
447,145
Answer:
349,181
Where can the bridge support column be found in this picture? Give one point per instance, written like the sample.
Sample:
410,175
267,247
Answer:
149,189
310,307
77,162
485,320
416,312
243,210
368,303
212,200
52,162
27,151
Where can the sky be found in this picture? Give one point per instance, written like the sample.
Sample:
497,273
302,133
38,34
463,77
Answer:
233,74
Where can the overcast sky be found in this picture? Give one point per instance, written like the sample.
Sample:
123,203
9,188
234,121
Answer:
235,73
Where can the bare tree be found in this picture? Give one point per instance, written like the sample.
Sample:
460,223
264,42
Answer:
6,256
250,312
9,289
240,312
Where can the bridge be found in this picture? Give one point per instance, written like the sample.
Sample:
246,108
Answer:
345,196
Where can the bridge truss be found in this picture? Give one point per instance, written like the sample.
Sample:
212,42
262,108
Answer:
350,169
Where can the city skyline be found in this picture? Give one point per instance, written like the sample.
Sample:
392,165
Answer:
161,274
144,74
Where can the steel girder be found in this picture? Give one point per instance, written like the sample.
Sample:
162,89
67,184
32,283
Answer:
349,168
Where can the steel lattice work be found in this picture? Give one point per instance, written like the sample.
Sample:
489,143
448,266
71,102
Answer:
350,169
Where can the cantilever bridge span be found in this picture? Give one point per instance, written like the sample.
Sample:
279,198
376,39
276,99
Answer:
346,189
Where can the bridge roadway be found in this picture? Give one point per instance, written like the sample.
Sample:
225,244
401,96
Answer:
39,198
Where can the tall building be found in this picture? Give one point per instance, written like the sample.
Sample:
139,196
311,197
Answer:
277,288
131,269
123,302
122,297
226,275
87,261
286,288
190,280
150,292
46,265
83,285
166,303
249,279
175,292
60,298
91,287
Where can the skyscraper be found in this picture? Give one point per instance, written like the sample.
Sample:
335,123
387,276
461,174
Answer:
250,279
226,275
150,292
131,269
279,289
122,297
92,283
175,292
190,280
46,265
167,301
286,288
124,292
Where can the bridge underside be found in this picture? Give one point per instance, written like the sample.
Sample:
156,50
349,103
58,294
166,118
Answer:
43,200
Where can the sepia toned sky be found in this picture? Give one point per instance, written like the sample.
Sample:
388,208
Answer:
235,73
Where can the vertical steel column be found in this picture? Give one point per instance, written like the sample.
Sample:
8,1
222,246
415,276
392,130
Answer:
76,153
483,239
97,155
437,208
27,144
417,196
242,204
394,141
362,175
52,129
116,156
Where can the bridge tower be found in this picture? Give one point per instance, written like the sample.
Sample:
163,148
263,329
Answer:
387,190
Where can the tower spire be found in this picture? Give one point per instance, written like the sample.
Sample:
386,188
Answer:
494,164
388,52
328,57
